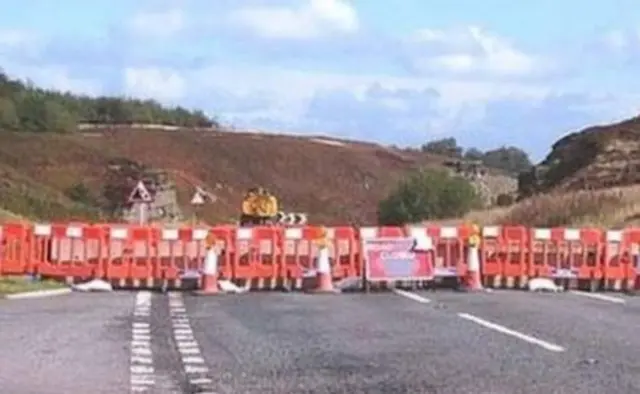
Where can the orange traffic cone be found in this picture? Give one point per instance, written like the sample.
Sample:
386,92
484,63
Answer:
324,280
472,281
210,271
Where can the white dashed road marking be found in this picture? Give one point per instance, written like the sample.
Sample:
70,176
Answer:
490,325
412,296
142,371
601,297
504,330
194,364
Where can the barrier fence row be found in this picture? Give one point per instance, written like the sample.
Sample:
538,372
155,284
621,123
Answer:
508,255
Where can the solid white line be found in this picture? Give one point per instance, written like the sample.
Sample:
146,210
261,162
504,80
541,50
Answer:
37,294
411,296
601,297
502,329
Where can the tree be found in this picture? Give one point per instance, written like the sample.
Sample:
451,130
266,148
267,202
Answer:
56,118
473,154
9,119
446,147
25,107
427,195
80,193
511,159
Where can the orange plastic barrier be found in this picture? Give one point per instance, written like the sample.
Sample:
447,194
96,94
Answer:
299,251
504,255
563,253
255,254
73,250
273,255
620,256
14,249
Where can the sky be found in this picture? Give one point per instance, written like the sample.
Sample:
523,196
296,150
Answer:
489,73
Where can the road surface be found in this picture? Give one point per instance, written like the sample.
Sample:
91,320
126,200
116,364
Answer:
420,342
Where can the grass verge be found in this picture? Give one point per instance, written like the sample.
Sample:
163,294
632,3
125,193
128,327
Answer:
6,216
21,284
608,208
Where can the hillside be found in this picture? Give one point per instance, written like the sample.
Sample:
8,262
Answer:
590,178
71,157
336,182
595,158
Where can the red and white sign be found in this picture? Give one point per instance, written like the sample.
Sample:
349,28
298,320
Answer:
140,194
395,259
198,198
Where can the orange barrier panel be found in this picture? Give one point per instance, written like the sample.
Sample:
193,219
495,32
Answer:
120,253
72,250
620,258
346,248
300,251
179,250
14,249
563,253
504,255
451,250
256,253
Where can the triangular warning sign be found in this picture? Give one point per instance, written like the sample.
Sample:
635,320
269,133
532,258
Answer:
140,194
198,198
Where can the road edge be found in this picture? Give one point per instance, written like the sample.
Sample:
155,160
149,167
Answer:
37,294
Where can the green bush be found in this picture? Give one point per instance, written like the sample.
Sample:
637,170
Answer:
428,195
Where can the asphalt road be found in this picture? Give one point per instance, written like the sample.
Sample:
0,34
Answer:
76,343
423,342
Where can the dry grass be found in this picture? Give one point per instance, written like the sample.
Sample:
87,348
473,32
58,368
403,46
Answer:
6,216
611,208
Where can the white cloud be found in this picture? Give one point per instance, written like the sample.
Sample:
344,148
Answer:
616,40
157,23
156,83
367,105
16,38
469,50
312,20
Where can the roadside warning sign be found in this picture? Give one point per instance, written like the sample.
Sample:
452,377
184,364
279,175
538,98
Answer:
140,194
198,198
